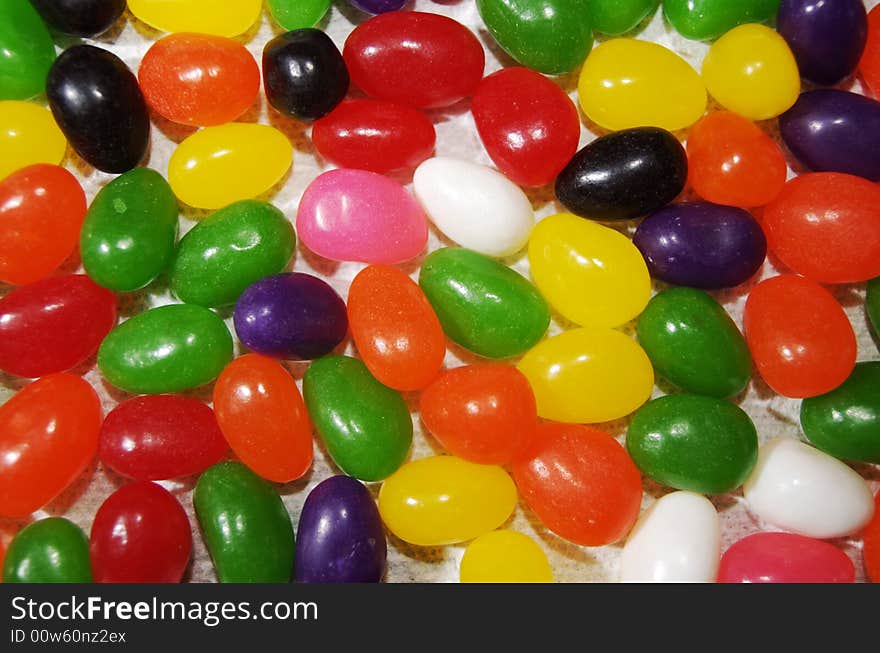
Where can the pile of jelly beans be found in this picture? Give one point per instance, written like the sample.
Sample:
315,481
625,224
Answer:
668,214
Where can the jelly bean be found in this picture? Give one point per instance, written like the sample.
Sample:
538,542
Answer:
872,304
695,443
443,500
588,375
26,51
705,20
871,543
245,525
827,38
552,38
296,14
42,208
221,165
718,362
294,316
53,550
616,17
750,70
624,175
482,413
800,338
140,534
53,325
846,422
99,106
416,58
505,557
28,135
591,274
834,131
166,349
732,161
374,135
377,6
157,437
48,435
580,483
483,305
226,252
340,538
304,74
702,245
395,329
474,206
627,83
677,540
812,224
869,65
356,215
365,425
802,490
199,79
528,125
127,239
80,17
263,417
784,558
204,16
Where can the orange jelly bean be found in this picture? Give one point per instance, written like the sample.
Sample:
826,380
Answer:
482,413
869,66
48,436
871,544
395,329
263,418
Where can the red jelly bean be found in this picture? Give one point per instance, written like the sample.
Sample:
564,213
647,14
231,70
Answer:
528,125
580,482
158,437
199,79
42,208
826,226
800,338
732,161
483,413
871,543
869,66
53,325
374,135
395,329
48,435
263,417
140,534
422,59
784,558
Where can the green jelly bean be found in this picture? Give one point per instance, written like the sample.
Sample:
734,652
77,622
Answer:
245,525
694,344
52,550
704,20
695,443
166,349
229,250
127,239
553,37
26,51
365,425
298,14
615,17
483,305
845,422
872,304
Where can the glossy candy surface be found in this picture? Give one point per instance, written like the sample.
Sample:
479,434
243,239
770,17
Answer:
704,20
869,65
377,6
872,304
80,17
296,14
615,17
871,543
505,557
784,558
205,16
53,550
26,51
28,135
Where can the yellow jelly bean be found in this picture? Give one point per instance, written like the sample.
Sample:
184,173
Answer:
628,83
751,70
225,18
221,165
587,375
28,135
505,557
591,274
445,500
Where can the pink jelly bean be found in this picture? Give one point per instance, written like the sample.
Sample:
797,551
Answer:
784,558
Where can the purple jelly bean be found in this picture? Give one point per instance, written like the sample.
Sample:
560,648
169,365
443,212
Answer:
827,37
702,245
340,538
377,6
291,316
